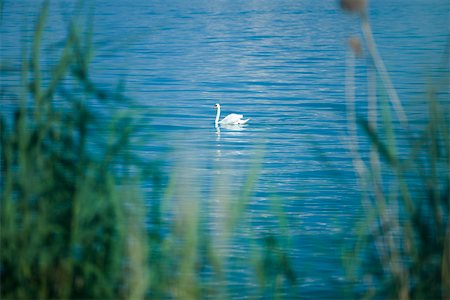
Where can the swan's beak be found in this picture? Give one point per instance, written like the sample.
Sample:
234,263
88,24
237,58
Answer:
215,106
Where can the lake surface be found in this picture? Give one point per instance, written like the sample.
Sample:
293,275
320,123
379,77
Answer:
280,63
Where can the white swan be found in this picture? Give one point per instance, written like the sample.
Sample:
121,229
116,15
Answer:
231,119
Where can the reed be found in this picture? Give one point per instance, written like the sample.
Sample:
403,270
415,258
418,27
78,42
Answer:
403,249
67,229
191,255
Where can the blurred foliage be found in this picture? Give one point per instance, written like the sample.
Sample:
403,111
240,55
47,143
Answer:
70,227
404,246
74,223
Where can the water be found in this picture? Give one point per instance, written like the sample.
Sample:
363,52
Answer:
280,63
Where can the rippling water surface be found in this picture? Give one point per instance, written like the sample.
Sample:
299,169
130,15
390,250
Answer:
280,63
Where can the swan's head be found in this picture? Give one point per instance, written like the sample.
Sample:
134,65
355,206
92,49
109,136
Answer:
217,106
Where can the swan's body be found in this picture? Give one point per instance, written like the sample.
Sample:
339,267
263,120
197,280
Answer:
231,119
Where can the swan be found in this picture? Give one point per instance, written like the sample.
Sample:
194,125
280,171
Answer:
231,119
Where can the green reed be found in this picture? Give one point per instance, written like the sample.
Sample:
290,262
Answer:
403,249
70,227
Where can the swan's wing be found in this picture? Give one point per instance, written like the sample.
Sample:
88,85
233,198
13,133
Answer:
242,122
231,119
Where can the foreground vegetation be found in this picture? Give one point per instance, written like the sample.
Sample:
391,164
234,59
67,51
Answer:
71,226
404,246
74,223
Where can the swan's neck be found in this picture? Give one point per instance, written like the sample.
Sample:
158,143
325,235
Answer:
217,117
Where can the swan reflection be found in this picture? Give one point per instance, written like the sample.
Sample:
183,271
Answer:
233,127
230,127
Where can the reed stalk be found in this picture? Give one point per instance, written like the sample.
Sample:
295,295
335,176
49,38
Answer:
403,247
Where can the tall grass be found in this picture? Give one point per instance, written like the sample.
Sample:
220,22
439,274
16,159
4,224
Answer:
191,257
70,223
404,246
74,223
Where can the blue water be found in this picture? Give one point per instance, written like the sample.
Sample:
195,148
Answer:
280,63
